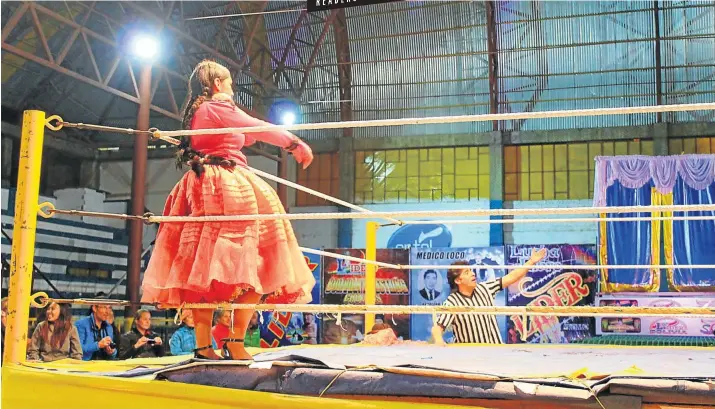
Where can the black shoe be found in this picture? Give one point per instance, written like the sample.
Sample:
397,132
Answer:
225,352
199,356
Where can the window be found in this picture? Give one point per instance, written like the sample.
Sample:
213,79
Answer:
559,171
422,175
322,175
88,271
677,146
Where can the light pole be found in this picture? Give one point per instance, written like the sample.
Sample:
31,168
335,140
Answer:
145,48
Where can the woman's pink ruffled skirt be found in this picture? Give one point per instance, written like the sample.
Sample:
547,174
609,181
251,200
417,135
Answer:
215,262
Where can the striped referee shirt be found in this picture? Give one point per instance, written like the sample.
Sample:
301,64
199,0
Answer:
474,328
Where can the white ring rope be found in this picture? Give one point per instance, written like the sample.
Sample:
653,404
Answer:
448,119
316,193
563,220
531,311
436,213
506,267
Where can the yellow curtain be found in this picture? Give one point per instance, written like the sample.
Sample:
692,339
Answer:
657,198
666,231
606,287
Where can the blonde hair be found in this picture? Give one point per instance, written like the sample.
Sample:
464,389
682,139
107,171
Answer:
205,73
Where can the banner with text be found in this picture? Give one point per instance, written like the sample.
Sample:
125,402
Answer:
343,282
286,328
548,287
430,286
656,325
323,5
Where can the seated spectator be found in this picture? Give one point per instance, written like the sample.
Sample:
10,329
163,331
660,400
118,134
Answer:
117,333
141,342
96,335
221,329
183,342
384,335
253,333
55,337
310,329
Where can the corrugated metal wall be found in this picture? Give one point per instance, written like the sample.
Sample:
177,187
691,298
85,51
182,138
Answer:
417,59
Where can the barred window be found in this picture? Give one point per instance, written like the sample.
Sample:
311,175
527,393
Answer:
560,171
422,175
677,146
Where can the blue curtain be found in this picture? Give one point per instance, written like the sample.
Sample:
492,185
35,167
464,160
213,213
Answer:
693,240
628,243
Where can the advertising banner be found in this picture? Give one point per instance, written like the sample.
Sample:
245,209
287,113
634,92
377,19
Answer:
430,286
296,328
656,325
548,287
343,282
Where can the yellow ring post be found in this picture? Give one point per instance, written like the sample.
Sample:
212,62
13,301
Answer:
23,243
370,271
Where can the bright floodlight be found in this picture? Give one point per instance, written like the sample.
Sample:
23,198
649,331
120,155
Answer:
144,46
288,118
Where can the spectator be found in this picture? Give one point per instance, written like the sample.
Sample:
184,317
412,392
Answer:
117,333
183,342
310,329
141,342
55,337
221,331
96,335
253,333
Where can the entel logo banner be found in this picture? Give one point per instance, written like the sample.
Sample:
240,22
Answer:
420,236
322,5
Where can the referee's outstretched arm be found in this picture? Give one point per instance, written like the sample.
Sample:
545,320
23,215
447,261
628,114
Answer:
519,273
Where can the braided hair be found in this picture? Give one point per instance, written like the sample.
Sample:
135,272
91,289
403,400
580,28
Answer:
201,78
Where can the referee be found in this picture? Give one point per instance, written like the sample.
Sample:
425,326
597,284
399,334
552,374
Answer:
475,328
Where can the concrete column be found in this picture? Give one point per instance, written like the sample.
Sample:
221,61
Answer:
660,138
89,174
346,159
496,185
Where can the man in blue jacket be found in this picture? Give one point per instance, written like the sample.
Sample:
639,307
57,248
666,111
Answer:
96,335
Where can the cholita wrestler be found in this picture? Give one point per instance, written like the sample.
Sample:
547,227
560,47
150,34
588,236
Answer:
214,262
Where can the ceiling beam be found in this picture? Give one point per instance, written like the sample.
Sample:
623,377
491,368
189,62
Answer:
82,78
182,35
342,52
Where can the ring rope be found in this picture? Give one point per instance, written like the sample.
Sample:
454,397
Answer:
46,209
60,123
318,194
506,267
447,119
562,220
575,311
174,141
510,267
434,214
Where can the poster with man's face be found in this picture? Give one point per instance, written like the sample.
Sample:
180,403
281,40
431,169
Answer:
430,286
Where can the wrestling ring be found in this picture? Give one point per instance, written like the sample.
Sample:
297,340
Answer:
361,376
